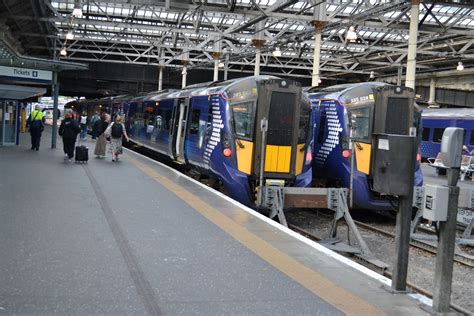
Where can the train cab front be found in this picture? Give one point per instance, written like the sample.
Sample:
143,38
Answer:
279,152
269,135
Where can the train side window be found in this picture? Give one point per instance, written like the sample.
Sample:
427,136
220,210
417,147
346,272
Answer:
425,136
322,126
194,126
471,142
438,135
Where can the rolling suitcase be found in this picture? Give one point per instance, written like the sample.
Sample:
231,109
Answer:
82,153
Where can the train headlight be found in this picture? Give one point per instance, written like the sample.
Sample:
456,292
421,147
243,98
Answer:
227,152
346,153
309,157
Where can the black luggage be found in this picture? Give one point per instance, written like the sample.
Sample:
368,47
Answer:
82,154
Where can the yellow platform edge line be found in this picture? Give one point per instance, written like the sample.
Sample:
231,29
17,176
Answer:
316,283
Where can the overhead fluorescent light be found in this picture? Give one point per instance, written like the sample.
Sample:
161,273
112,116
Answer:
277,52
351,35
77,13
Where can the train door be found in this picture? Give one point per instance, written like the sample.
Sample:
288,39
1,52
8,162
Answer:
178,129
197,130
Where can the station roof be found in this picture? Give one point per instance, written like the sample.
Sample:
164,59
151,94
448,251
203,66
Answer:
154,32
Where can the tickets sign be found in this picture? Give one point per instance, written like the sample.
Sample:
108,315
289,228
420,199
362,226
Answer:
25,74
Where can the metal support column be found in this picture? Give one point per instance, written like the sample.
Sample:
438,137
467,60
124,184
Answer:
184,74
412,40
402,230
258,41
399,76
432,98
55,92
160,79
216,69
402,242
226,66
257,62
316,58
319,22
446,243
216,55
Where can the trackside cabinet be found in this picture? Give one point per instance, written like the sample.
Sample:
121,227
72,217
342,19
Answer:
393,167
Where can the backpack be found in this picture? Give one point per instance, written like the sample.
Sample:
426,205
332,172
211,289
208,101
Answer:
117,130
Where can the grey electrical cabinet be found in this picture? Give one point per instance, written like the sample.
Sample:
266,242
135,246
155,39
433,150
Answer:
394,107
393,164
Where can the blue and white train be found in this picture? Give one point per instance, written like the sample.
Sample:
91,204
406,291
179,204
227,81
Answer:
215,129
434,122
336,110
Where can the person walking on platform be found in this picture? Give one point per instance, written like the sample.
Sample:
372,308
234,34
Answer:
68,130
83,121
116,130
35,124
100,127
95,118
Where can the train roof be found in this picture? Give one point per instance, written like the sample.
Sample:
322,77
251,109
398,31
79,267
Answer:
448,113
352,93
206,88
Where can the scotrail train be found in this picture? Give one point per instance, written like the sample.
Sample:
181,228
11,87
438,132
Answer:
434,122
216,129
337,110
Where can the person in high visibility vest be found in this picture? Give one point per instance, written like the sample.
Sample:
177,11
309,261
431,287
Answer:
35,124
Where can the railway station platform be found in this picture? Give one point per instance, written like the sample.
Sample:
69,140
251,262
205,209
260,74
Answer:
136,237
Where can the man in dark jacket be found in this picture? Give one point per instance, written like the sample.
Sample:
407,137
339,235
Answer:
68,130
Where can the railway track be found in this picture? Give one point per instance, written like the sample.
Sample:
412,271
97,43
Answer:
385,273
464,259
460,258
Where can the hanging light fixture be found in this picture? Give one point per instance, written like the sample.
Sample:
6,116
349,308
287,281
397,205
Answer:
221,64
372,75
460,66
351,35
70,35
277,52
77,12
63,52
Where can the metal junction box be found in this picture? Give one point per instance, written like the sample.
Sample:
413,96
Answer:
393,164
435,203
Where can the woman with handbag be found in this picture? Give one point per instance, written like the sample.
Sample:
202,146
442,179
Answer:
116,130
101,126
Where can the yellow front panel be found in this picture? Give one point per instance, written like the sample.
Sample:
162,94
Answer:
244,156
363,155
284,159
299,159
278,159
271,158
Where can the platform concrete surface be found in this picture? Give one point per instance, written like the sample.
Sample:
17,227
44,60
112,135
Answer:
136,238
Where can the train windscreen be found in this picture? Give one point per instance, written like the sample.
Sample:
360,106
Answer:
281,119
243,119
303,127
360,123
